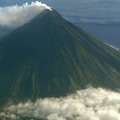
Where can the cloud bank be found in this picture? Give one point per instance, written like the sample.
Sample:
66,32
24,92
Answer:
88,104
14,16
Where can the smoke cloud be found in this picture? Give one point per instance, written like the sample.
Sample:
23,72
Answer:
14,16
88,104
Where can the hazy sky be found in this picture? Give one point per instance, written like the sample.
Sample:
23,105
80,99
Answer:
82,11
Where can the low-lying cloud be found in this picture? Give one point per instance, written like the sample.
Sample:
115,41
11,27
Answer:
114,47
14,16
88,104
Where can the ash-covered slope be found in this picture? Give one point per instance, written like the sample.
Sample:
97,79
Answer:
49,56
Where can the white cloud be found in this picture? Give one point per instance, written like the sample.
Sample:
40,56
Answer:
116,48
18,15
88,104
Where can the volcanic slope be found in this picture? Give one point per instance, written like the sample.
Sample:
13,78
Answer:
49,56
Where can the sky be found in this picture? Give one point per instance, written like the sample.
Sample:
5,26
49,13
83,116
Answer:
99,17
81,11
107,33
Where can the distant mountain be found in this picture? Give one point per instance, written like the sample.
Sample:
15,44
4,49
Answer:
49,56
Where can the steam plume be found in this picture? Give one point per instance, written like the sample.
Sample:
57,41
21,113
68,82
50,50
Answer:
14,16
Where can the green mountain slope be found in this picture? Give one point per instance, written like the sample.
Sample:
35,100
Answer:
4,31
49,56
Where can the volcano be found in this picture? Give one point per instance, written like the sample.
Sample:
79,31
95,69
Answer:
51,57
